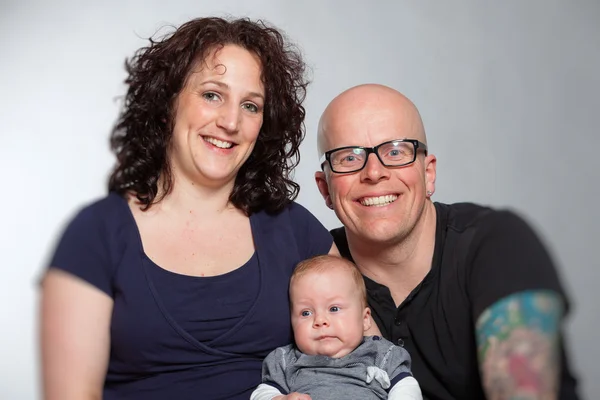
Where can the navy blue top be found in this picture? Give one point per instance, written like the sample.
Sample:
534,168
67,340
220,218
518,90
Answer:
205,307
153,355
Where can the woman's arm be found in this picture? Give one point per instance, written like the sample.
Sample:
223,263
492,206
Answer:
75,337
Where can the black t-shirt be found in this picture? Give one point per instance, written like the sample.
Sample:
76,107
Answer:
481,256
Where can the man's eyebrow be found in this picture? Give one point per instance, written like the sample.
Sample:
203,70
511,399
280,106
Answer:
226,86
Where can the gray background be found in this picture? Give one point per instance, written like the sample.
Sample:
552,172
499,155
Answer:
509,92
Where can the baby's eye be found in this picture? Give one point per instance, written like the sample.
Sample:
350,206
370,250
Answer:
334,309
305,313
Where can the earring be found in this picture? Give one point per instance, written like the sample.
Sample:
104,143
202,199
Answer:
429,193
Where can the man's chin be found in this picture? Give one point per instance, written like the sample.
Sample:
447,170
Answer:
381,233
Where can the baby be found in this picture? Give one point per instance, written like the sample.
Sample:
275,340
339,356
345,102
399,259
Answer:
332,359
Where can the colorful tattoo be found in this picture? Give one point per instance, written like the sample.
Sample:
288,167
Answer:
517,341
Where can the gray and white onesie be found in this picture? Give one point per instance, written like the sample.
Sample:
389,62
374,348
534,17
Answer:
376,369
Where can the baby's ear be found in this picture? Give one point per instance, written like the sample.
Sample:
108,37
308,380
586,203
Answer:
367,321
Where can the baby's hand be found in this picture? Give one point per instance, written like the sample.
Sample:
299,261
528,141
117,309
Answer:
293,396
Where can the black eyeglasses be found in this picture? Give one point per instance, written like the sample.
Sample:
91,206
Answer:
395,153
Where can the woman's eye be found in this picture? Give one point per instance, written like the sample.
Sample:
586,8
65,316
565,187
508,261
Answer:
253,108
334,309
210,96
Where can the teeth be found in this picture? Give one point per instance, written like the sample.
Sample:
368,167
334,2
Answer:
378,201
218,143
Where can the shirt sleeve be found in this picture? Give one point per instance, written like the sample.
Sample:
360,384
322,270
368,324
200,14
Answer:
396,362
274,367
507,257
83,250
406,389
264,392
312,237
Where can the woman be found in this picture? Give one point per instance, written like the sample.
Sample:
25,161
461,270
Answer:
174,286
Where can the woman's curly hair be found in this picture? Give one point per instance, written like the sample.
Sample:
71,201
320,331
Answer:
157,74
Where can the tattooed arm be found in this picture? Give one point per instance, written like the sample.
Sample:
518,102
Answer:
517,339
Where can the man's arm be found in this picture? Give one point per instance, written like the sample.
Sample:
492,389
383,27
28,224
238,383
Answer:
518,339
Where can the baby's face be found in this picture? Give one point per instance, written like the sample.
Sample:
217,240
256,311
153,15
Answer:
328,315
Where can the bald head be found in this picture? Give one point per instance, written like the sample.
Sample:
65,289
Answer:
365,109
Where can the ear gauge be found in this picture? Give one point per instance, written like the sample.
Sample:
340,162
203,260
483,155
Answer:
328,202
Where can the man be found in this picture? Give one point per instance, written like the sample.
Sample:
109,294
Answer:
470,292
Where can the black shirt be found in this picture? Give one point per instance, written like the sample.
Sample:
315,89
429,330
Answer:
481,256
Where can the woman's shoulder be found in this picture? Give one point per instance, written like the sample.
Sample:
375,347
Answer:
293,214
291,210
310,235
297,210
109,207
107,214
91,243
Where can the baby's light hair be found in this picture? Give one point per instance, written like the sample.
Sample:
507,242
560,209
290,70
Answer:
321,263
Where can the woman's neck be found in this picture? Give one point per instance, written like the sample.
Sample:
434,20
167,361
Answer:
188,197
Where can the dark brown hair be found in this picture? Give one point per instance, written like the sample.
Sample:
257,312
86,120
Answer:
158,73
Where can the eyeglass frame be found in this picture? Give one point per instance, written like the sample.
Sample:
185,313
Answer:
326,157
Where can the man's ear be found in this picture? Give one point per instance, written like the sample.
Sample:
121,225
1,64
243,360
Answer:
430,173
323,188
367,319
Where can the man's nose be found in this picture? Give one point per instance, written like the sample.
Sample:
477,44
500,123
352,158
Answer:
374,170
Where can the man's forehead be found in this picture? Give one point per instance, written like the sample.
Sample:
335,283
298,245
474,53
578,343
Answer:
365,126
368,113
